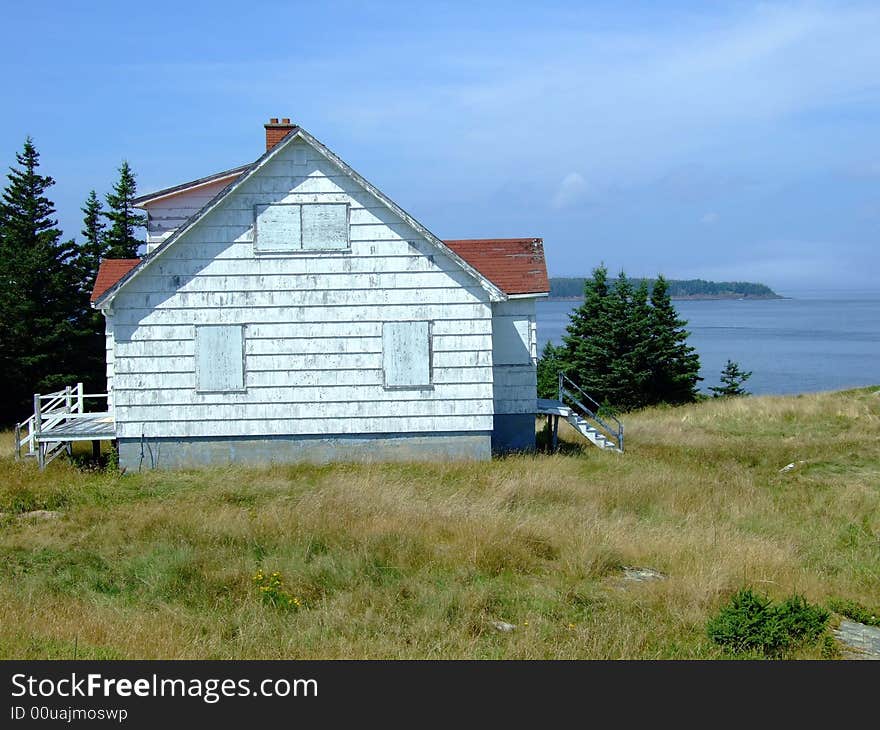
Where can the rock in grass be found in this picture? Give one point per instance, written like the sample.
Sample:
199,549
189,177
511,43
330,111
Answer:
503,626
642,575
793,465
860,641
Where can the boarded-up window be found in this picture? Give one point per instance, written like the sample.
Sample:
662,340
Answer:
219,358
511,340
406,354
278,228
282,227
325,226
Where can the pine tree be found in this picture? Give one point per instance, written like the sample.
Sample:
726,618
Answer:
588,339
39,290
120,239
674,365
732,379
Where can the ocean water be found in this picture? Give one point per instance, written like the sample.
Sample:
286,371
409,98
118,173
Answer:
811,341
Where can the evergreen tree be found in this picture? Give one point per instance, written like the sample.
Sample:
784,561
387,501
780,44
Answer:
120,240
629,365
91,347
588,338
674,365
550,364
39,290
94,245
732,379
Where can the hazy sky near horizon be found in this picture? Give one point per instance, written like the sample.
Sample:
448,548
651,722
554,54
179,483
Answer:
724,141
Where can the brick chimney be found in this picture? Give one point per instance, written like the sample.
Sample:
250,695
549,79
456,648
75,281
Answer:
276,131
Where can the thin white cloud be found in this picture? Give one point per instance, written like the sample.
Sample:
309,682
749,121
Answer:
572,190
709,218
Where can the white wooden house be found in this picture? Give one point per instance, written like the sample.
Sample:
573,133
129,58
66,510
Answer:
289,310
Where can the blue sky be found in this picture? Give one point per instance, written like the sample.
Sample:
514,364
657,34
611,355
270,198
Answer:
726,141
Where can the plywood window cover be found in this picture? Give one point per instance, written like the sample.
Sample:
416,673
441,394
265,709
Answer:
430,384
302,248
243,388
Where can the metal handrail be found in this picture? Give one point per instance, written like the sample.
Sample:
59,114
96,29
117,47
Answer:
593,413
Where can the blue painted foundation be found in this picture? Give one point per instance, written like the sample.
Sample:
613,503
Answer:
175,453
513,432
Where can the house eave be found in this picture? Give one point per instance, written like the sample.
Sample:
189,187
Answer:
143,200
530,295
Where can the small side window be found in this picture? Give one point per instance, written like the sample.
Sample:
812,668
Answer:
219,358
406,354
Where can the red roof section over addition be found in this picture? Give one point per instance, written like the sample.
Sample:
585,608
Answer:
109,272
514,265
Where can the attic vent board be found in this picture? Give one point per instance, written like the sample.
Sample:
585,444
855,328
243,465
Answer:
299,155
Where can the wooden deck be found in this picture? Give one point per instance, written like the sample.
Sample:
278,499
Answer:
84,427
58,420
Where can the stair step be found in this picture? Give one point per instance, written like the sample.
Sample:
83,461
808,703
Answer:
591,433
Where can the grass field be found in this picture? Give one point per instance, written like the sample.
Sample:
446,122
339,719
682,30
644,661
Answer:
420,560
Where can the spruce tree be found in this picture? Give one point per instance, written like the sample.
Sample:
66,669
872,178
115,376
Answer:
588,339
628,362
94,246
732,379
39,290
674,365
120,239
91,347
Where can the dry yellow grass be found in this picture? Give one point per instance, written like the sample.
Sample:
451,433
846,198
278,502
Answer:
419,560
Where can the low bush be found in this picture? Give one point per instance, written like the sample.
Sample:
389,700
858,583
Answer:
753,624
855,611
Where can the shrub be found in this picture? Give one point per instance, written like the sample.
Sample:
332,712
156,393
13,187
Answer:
855,611
752,623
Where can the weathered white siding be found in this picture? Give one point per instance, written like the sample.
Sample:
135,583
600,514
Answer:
312,323
110,357
167,214
514,340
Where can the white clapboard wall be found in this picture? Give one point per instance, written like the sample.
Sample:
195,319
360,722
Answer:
514,349
312,323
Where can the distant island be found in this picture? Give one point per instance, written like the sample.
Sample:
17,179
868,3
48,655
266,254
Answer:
572,287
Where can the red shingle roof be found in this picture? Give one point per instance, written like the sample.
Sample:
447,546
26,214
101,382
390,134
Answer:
109,272
514,265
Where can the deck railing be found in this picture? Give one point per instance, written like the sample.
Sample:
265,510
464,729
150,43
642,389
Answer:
51,410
